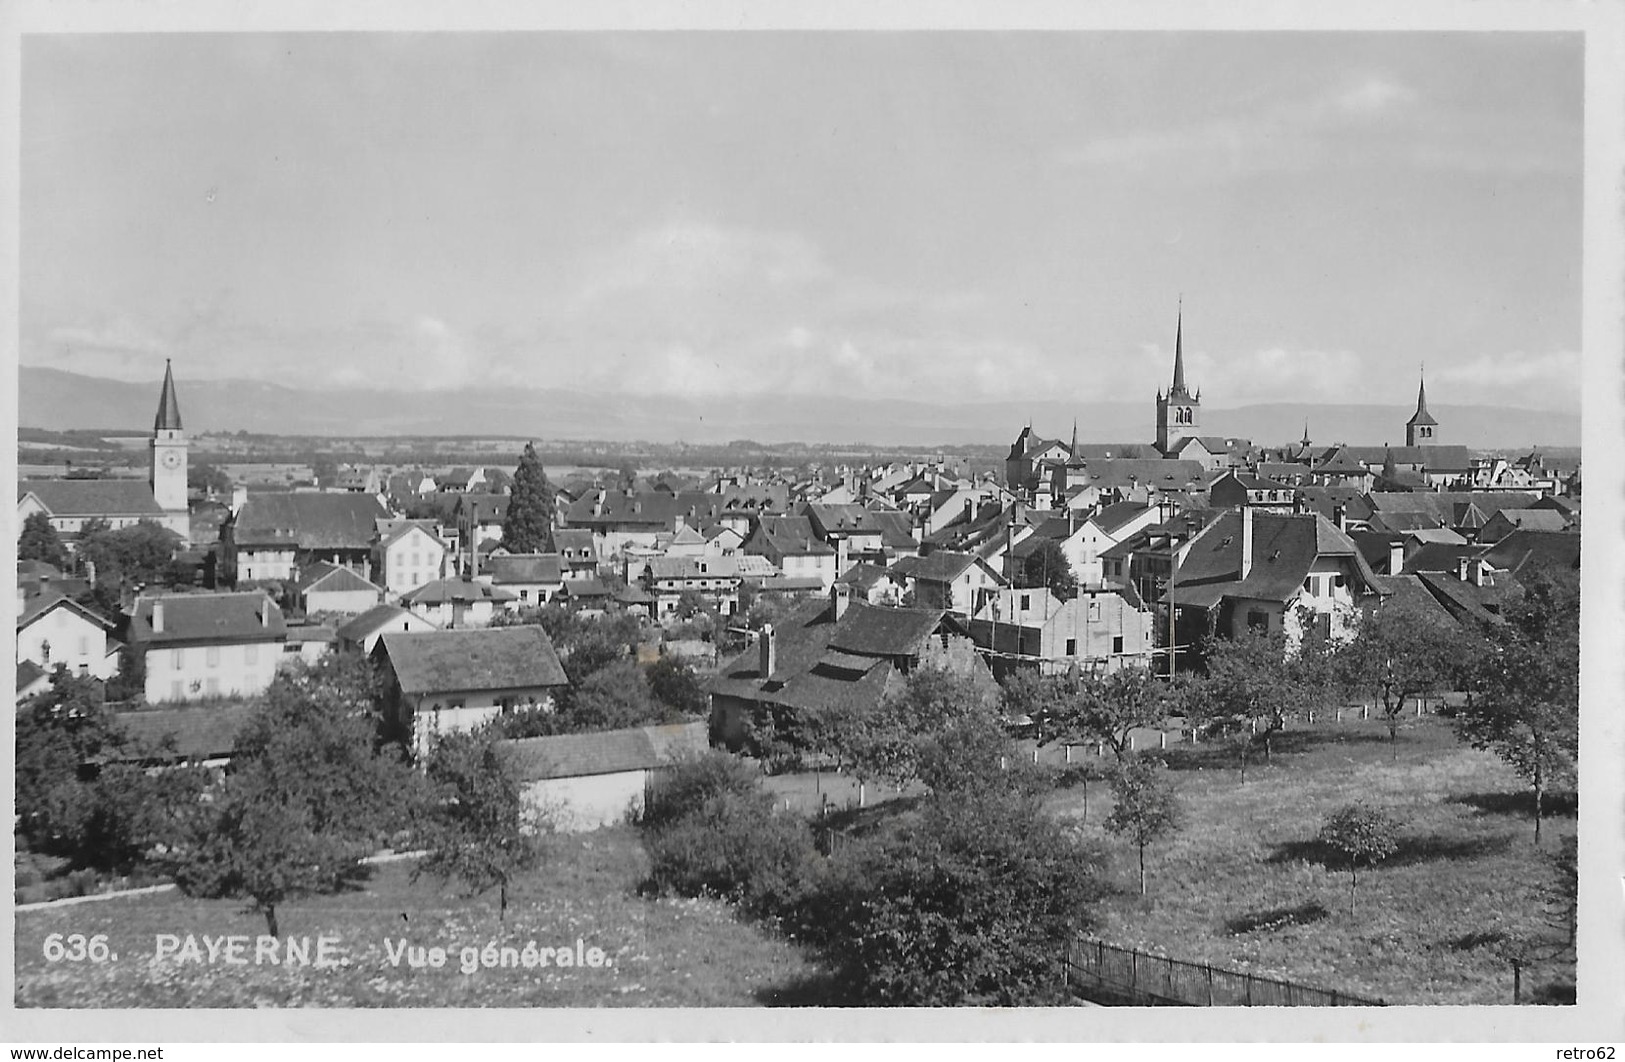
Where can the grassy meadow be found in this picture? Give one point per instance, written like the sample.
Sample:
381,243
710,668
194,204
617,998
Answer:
662,953
1242,883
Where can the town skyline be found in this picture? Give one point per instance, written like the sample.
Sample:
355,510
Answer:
699,217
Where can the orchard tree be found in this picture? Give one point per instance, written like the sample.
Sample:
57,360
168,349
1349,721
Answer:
887,742
1401,653
1525,706
140,554
1360,832
39,541
1247,692
1145,807
1102,708
477,828
309,794
528,525
1048,566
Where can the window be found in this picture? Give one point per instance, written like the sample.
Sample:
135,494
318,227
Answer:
1258,621
1094,610
212,656
84,645
1071,647
1026,602
177,658
1117,644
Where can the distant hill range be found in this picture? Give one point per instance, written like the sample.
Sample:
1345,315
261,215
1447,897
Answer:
51,398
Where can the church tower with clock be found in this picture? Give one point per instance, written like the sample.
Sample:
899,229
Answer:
167,473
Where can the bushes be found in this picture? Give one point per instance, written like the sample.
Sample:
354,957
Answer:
963,902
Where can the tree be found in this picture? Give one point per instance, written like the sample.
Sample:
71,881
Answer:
887,741
39,541
1401,653
207,479
1525,703
138,555
1248,683
611,698
1047,566
673,683
961,904
1145,807
1104,708
1360,832
308,795
478,829
527,526
57,735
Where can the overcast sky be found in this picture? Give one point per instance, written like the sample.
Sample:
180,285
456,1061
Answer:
937,216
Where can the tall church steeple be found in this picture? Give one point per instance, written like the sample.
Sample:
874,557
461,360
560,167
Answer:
167,470
1421,429
1178,413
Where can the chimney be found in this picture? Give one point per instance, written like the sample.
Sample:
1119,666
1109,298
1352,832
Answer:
265,612
1396,556
1340,517
90,572
767,648
1476,569
157,617
1246,540
1461,568
842,593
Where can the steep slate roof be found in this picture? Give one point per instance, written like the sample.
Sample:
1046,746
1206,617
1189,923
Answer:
39,603
568,538
585,588
940,566
862,577
311,521
1466,601
605,752
482,508
205,618
1284,549
370,621
1400,520
1111,518
896,529
802,678
870,630
1533,519
1325,501
331,579
488,658
1432,458
1409,592
198,733
524,568
1437,557
457,591
841,519
1442,504
392,530
694,567
1161,473
28,673
1556,549
791,536
91,497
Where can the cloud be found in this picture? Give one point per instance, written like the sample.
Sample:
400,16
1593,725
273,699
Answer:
1547,381
1368,119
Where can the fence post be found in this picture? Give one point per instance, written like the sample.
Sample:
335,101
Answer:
1134,972
1066,967
1365,711
1340,715
1247,983
1068,753
1162,739
1208,967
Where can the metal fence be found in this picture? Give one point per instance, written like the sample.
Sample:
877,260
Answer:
1097,970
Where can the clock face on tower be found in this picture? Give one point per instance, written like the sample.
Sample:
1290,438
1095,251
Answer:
170,459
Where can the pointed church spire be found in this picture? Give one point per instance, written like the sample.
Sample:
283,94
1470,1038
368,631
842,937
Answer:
169,410
1179,352
1074,437
1421,416
1305,431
